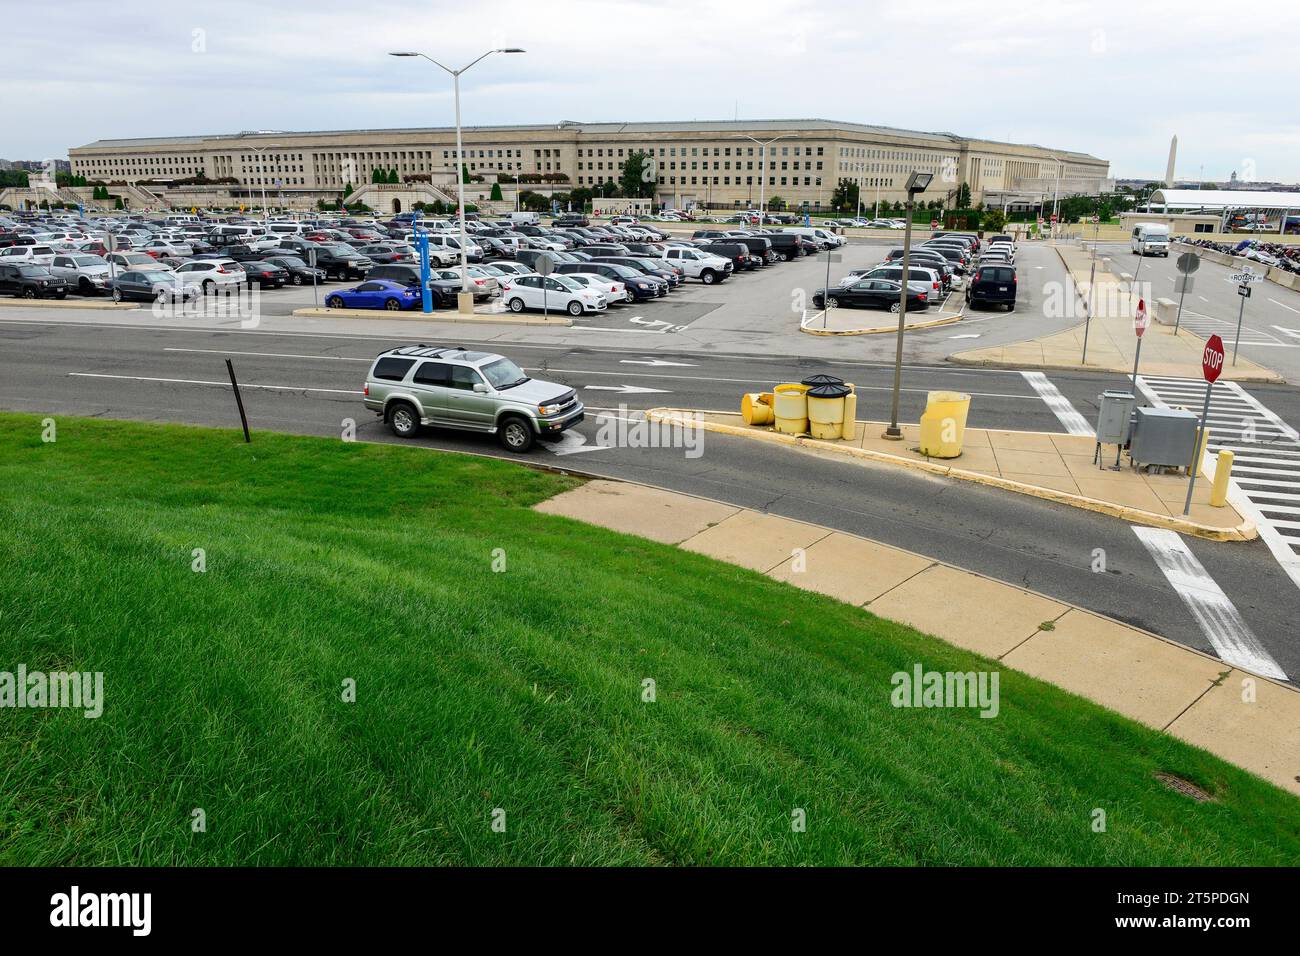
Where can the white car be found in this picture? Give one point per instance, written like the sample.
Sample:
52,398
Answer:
27,255
614,291
209,275
557,292
135,262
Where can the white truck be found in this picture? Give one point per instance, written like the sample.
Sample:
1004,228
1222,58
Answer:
1150,239
698,264
522,218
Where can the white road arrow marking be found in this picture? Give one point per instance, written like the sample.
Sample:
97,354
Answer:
968,335
1294,333
1233,640
656,362
571,443
626,389
640,321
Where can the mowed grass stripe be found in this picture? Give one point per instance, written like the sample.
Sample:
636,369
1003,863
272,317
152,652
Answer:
520,690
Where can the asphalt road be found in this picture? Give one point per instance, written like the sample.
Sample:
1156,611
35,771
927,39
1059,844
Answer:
309,383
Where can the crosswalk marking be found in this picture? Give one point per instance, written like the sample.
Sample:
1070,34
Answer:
1206,325
1067,414
1266,469
1217,616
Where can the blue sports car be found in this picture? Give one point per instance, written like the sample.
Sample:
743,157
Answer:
379,294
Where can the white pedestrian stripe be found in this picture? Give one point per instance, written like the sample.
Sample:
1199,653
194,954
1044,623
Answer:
1067,414
1265,485
1207,325
1230,635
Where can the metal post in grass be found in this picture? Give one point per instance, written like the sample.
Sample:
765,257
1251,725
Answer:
239,400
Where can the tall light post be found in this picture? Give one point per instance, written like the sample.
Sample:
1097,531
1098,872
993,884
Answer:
261,174
762,179
917,182
465,299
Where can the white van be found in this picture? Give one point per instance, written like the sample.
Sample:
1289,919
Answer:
824,239
1150,239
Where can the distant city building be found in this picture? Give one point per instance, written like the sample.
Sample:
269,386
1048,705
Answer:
711,163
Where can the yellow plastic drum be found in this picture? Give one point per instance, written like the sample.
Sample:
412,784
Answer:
756,408
826,410
791,408
943,426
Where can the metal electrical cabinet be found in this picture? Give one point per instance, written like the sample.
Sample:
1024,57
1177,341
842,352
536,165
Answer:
1163,436
1113,416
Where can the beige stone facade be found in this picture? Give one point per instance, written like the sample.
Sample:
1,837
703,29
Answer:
720,164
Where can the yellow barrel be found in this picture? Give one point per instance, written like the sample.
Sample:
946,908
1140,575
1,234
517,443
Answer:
943,426
756,408
790,401
826,409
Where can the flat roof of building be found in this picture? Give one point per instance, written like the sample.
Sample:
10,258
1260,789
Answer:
614,128
1224,199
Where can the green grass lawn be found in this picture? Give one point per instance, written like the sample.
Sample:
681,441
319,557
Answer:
520,690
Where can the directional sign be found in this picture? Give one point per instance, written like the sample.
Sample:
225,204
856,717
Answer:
625,389
1212,358
1246,276
1141,320
545,265
1243,291
1184,284
1188,263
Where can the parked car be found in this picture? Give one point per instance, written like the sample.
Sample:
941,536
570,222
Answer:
873,294
614,291
264,274
700,264
375,294
31,281
33,255
150,285
916,275
89,274
992,285
210,275
737,254
341,261
660,269
638,284
553,292
443,290
482,392
785,245
299,272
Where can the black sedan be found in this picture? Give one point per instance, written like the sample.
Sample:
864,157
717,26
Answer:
873,294
299,272
150,286
265,274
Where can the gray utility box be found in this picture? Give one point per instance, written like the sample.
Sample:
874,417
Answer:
1114,416
1163,436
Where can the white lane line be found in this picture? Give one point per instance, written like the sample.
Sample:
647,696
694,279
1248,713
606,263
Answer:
1218,618
1285,306
1067,414
292,355
226,384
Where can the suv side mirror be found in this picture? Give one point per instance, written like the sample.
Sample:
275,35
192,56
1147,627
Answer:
480,388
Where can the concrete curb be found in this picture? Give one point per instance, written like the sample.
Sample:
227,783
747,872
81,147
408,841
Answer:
1246,531
415,316
64,304
932,324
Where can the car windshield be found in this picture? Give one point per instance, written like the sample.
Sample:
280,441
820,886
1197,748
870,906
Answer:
503,374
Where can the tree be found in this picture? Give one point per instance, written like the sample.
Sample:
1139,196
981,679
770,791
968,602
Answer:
581,196
638,179
117,204
845,197
392,177
495,195
995,220
775,203
377,175
464,173
963,196
347,190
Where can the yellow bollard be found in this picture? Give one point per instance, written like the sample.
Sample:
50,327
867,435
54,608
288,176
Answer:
791,407
1222,472
943,426
850,430
756,408
1198,461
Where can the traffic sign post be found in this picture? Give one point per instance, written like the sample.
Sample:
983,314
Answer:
1188,263
1211,366
1243,290
1140,322
545,266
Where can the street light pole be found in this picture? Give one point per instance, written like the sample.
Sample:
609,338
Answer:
261,175
917,182
465,299
762,179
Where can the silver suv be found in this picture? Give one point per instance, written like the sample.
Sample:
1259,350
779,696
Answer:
474,391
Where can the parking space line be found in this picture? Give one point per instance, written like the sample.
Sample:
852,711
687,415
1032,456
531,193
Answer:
1217,616
1067,414
226,384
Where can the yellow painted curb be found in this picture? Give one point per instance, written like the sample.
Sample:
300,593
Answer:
64,304
932,324
1246,531
415,315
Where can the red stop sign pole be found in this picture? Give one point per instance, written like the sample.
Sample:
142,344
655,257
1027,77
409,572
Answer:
1211,366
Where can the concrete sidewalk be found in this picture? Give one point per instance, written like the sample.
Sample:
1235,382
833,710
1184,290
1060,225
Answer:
1045,465
1140,675
1112,343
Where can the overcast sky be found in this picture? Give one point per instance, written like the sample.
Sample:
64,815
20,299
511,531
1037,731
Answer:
1115,79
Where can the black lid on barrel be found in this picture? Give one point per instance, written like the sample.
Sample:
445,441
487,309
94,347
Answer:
828,390
822,379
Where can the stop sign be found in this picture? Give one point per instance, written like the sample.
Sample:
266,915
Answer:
1053,217
1141,320
1212,358
934,223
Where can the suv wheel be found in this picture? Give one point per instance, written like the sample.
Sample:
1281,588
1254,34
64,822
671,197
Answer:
516,305
783,256
515,434
403,420
29,293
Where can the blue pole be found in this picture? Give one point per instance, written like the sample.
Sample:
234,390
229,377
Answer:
421,238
